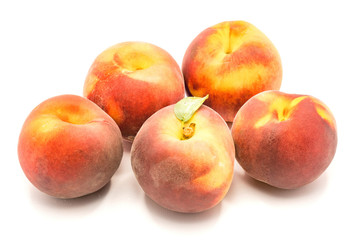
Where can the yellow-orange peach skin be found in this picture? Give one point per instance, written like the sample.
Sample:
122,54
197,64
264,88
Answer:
69,147
285,140
231,61
132,80
184,175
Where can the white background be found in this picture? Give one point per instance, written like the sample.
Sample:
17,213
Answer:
46,49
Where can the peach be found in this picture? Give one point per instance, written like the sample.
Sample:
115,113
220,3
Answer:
131,81
231,61
69,147
284,140
184,171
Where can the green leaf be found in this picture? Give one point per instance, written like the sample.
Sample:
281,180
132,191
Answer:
186,107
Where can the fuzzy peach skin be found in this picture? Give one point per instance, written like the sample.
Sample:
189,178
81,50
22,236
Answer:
190,175
68,147
231,61
131,81
284,140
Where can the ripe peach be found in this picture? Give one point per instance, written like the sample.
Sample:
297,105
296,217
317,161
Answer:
231,61
285,140
68,147
184,175
131,81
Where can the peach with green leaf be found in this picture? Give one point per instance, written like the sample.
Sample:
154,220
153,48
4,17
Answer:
183,156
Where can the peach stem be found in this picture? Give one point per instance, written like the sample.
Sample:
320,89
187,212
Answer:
188,132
